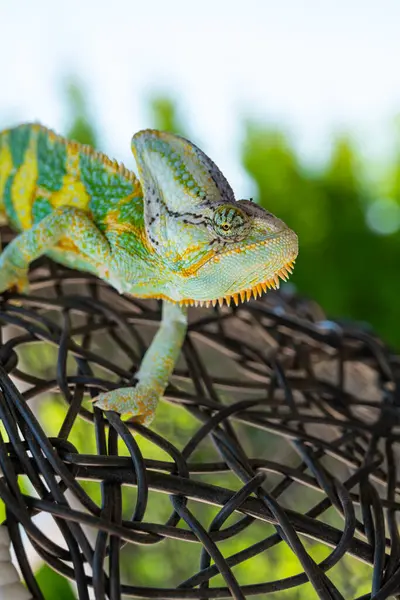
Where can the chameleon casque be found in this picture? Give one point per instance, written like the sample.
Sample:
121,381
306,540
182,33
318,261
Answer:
176,233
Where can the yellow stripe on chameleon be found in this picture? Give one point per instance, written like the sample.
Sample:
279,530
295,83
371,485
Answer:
73,191
68,246
113,225
192,270
24,186
187,252
6,166
137,191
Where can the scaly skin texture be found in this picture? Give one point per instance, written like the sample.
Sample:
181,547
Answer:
177,234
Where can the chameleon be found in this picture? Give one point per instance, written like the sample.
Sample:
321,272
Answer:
174,232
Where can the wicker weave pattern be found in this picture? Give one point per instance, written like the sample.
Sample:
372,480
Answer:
301,411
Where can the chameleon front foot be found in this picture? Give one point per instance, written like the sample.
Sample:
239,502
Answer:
131,403
140,402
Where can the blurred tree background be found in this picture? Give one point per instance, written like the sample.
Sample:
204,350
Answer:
348,226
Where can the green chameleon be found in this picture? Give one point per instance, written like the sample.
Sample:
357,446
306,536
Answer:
176,233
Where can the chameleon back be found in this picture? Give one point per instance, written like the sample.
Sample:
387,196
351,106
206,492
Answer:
40,171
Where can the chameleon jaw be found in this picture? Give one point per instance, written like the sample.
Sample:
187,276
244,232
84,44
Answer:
246,294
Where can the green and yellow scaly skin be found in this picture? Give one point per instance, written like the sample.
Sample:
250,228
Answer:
177,234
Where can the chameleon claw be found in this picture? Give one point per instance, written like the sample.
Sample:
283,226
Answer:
22,285
12,278
128,403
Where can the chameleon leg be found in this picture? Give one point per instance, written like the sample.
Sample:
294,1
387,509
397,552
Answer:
140,402
63,222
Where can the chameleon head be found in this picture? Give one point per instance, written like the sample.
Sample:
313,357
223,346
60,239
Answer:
212,247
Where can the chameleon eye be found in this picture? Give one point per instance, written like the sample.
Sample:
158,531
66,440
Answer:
230,222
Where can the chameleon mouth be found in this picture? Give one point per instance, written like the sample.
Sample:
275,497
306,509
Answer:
246,294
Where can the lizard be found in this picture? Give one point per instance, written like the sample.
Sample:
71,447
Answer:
175,232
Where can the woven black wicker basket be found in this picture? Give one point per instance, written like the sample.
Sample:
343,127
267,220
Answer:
275,443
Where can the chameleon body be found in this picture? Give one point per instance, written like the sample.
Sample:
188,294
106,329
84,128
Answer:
175,233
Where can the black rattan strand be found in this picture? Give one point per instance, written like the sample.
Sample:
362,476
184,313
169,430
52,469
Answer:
277,396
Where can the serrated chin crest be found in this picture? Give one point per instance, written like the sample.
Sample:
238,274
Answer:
246,294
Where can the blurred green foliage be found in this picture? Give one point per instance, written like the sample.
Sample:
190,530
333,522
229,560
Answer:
164,115
53,585
81,127
344,263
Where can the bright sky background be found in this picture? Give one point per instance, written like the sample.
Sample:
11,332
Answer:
313,66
